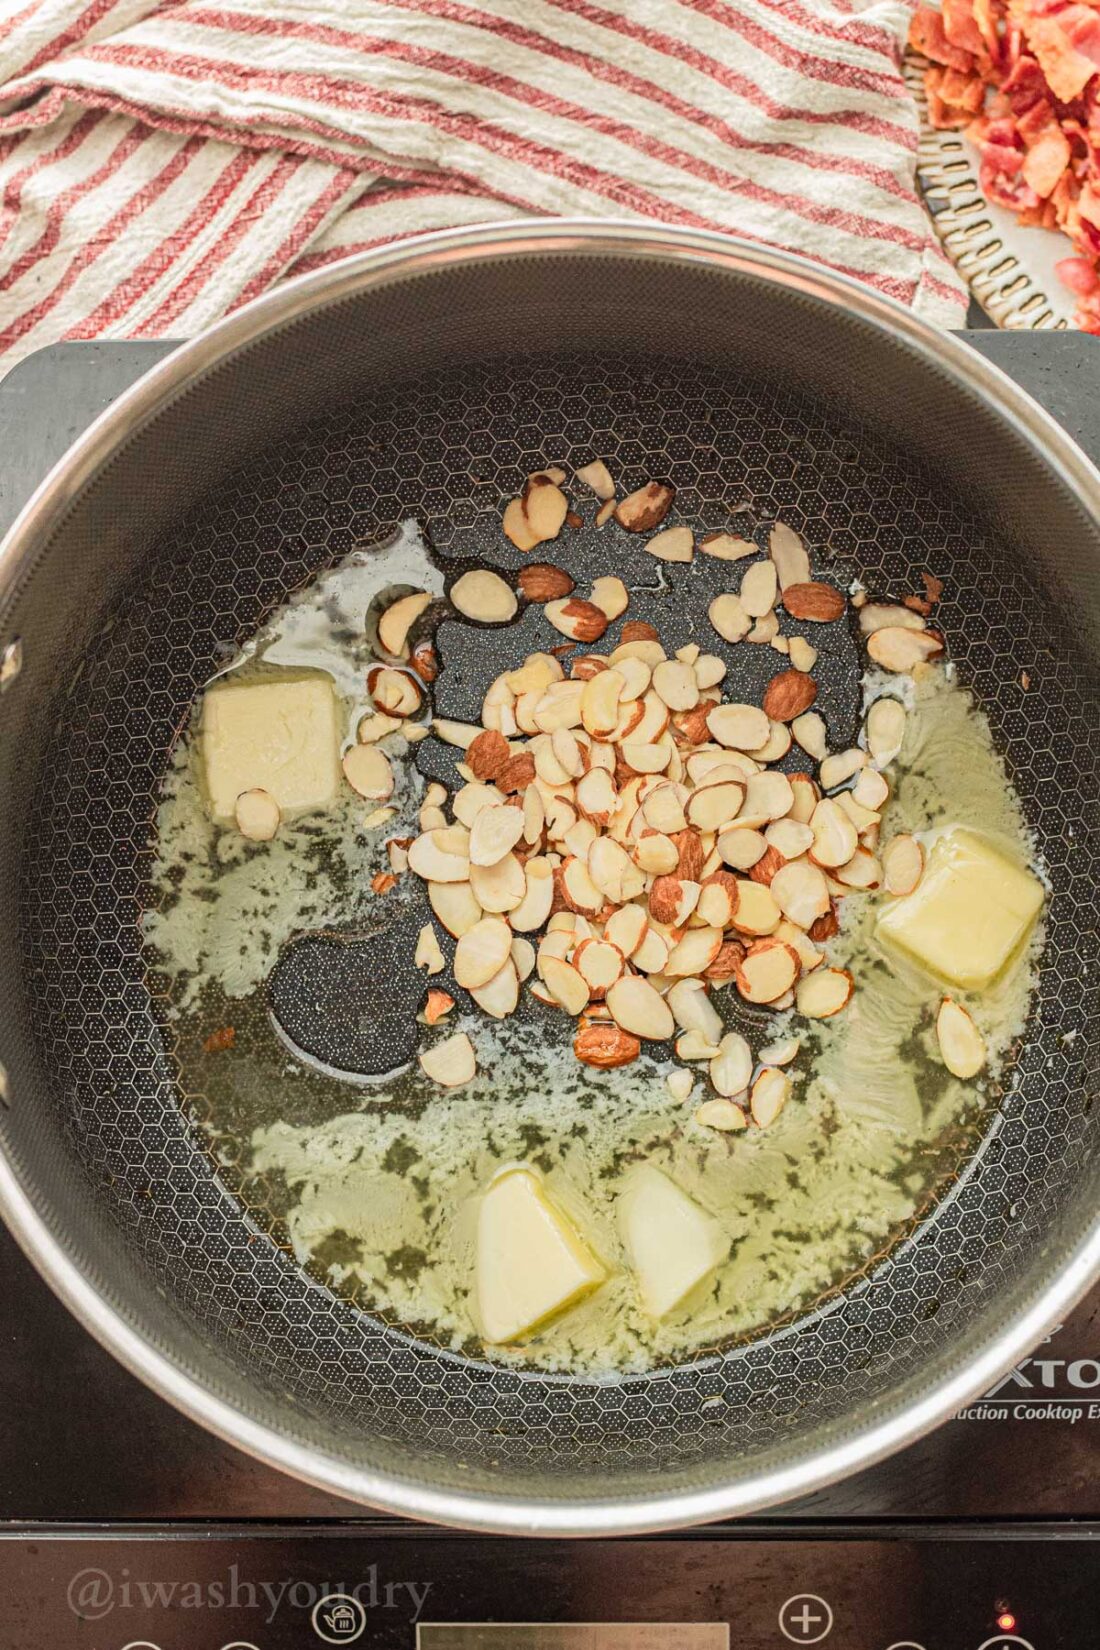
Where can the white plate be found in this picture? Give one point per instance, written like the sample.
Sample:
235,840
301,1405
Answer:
1009,269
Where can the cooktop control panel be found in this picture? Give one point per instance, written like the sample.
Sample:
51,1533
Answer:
728,1589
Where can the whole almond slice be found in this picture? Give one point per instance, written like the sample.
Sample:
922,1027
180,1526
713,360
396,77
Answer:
694,953
258,815
600,704
862,872
728,547
787,551
871,789
652,954
837,770
597,477
672,899
568,985
482,952
779,743
636,677
731,1067
610,595
646,758
459,734
440,855
901,650
367,770
596,796
560,706
709,670
888,615
810,732
902,865
672,544
545,507
656,854
516,526
578,889
718,899
713,807
674,682
625,928
663,808
768,796
801,892
759,589
741,848
739,727
823,993
765,630
638,1008
484,597
646,507
647,649
961,1044
694,1011
885,730
499,888
768,1096
495,833
499,996
455,906
523,958
835,837
728,618
780,1053
451,1062
600,963
789,838
768,969
756,913
721,1115
648,726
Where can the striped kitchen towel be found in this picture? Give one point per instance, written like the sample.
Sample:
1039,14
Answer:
164,161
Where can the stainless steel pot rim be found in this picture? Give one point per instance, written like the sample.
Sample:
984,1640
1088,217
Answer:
406,1496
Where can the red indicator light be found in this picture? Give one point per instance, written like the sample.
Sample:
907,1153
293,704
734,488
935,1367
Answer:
1006,1621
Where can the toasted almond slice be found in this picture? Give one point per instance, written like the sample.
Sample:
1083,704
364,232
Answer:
756,912
709,670
731,1067
545,506
728,547
596,796
885,730
672,544
691,1046
788,552
652,954
600,963
610,596
806,798
636,675
888,615
721,1115
801,892
600,704
640,1009
455,906
789,838
728,617
441,855
499,888
367,770
674,682
862,872
578,889
962,1046
713,807
451,1062
901,650
769,1095
741,848
871,790
258,815
835,837
646,507
482,952
837,770
768,796
523,958
823,993
484,597
864,819
625,928
663,808
759,588
902,865
499,996
656,854
802,656
460,734
693,955
597,477
373,728
680,1083
781,1052
646,758
428,954
534,908
472,799
717,900
516,526
739,727
809,729
398,620
694,1011
769,968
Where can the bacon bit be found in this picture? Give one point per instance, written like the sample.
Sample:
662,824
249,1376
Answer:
917,604
218,1041
933,588
1024,680
437,1005
382,881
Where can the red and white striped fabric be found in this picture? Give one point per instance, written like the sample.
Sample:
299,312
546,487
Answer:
162,163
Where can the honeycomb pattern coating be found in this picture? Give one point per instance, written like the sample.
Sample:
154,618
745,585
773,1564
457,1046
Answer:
449,450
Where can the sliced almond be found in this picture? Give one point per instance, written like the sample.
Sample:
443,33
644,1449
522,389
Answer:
367,770
610,596
674,682
731,1067
721,1115
534,908
473,799
780,1053
789,838
566,983
759,589
578,889
810,731
455,906
961,1044
600,704
626,928
756,913
560,706
823,993
428,955
450,1063
680,1083
885,729
712,807
645,508
728,617
652,954
768,969
484,597
694,1011
499,888
614,873
837,770
657,854
741,848
717,901
580,620
373,728
835,837
888,615
694,954
636,676
802,655
640,1009
258,815
801,892
709,670
728,547
523,958
862,872
398,620
534,816
441,855
768,1096
600,963
779,743
901,650
516,526
673,544
646,758
768,796
902,865
545,506
597,477
691,1046
482,952
739,727
459,734
787,551
864,819
499,996
871,790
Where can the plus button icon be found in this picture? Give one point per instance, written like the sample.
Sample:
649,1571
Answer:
805,1619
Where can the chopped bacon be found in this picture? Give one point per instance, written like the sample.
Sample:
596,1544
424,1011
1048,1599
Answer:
1046,160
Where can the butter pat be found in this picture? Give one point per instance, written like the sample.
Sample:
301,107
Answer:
280,735
969,915
531,1264
672,1244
